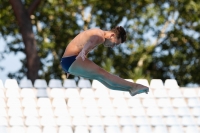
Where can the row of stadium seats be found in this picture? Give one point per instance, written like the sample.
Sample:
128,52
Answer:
93,108
82,83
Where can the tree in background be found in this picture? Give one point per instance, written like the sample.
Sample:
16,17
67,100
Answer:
158,44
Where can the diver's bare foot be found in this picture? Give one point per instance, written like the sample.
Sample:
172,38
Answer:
138,88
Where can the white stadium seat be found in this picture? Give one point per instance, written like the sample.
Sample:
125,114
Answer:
2,93
3,129
145,129
30,111
74,102
2,103
1,84
95,121
110,121
40,84
47,121
107,111
171,84
43,102
29,102
97,85
86,92
142,121
72,93
3,121
26,83
176,129
104,102
76,111
92,111
189,92
89,102
160,93
33,129
13,102
138,111
65,129
17,129
55,83
45,111
49,129
57,93
157,121
160,129
3,112
128,129
79,121
81,129
143,82
84,83
61,111
103,92
156,84
113,129
11,84
119,102
69,83
97,129
32,121
116,94
175,93
16,121
123,111
15,111
28,93
59,102
126,121
64,121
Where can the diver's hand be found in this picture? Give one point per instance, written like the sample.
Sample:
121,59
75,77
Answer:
82,55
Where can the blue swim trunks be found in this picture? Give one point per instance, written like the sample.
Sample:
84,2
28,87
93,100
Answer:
66,62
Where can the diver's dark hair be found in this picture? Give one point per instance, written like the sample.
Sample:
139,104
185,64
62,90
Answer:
120,33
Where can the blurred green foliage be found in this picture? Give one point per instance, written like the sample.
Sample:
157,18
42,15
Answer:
163,36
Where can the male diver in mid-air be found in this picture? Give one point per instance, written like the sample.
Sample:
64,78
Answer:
74,60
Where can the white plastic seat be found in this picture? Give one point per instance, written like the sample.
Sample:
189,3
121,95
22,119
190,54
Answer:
198,120
97,129
191,129
103,92
2,94
104,102
196,111
32,121
89,102
92,111
138,111
122,111
145,129
126,121
119,102
160,93
171,121
13,102
28,93
193,102
3,112
107,111
84,83
81,129
171,84
26,83
95,121
110,121
128,129
175,93
3,121
164,102
61,111
156,84
97,85
74,102
33,129
55,83
113,129
79,121
187,121
40,84
30,111
76,111
168,111
179,102
11,84
47,121
41,93
69,83
157,121
49,129
65,129
183,111
29,102
189,92
57,93
176,129
141,121
160,129
45,111
2,103
13,93
143,82
133,102
149,102
127,95
43,102
116,94
153,111
1,84
72,93
59,102
64,121
86,92
3,129
15,111
16,121
17,129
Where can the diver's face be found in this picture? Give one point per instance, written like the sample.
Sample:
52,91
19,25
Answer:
112,41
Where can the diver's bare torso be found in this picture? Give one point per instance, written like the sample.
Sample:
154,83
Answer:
93,36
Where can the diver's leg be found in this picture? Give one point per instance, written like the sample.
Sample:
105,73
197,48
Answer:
89,69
